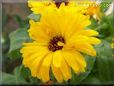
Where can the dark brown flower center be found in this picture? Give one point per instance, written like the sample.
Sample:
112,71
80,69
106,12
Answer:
58,2
53,44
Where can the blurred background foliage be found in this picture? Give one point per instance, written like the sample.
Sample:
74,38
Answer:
14,32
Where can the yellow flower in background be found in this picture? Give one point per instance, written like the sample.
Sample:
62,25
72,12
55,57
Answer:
58,41
87,7
37,6
93,9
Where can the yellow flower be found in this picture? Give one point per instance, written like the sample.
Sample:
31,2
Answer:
37,6
93,9
58,41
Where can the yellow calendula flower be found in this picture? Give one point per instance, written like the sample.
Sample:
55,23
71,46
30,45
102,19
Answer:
58,41
93,9
37,6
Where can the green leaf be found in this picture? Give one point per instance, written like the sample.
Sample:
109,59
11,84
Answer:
8,78
18,77
25,72
15,78
91,79
16,39
34,80
105,62
35,17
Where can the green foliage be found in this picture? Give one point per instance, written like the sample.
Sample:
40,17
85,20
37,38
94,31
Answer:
17,38
35,17
104,5
21,75
14,78
25,72
91,79
104,27
105,62
103,71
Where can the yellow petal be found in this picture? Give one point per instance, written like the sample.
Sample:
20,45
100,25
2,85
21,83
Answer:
89,33
93,40
47,60
45,68
70,59
29,49
37,32
79,58
57,58
78,39
38,6
86,48
44,73
33,59
57,73
28,59
34,66
65,69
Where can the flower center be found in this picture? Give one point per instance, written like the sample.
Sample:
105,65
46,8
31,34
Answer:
56,43
58,2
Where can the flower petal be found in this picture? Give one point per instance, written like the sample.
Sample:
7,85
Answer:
78,39
93,40
89,33
33,59
57,58
57,73
34,66
45,68
44,73
70,59
38,33
47,60
79,58
86,48
65,69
